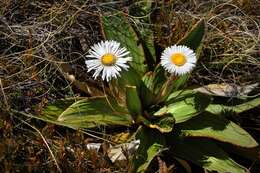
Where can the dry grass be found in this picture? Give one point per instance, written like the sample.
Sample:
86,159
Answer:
39,38
231,46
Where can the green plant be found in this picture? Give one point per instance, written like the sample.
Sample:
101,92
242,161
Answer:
188,124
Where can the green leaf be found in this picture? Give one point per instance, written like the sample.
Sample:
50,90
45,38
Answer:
133,103
180,82
152,142
206,154
117,27
164,88
194,37
180,95
129,77
218,128
186,108
53,110
86,113
141,12
146,96
219,109
132,78
146,39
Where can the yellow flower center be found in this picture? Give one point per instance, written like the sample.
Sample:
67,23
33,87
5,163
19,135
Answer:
178,59
108,59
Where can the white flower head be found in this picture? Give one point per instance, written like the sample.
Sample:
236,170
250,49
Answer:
107,59
178,59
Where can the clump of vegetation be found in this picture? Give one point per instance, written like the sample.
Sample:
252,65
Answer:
45,77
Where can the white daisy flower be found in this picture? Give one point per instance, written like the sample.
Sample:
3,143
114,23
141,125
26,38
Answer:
107,59
178,59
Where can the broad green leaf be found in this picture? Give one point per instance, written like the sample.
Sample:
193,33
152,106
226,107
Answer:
146,39
219,109
206,154
152,142
194,37
218,128
53,110
117,27
146,96
129,77
187,108
180,82
86,113
132,78
133,103
180,95
141,26
167,88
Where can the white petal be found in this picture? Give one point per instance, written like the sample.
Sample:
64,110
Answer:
97,72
